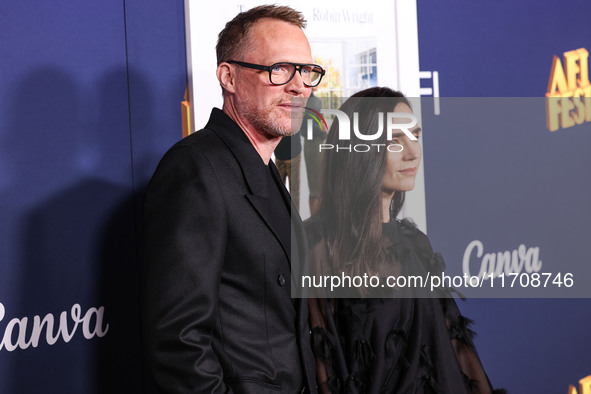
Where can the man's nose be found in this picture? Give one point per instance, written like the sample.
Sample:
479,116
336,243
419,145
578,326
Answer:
296,85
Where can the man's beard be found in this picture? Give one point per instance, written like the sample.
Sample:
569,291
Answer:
272,126
269,126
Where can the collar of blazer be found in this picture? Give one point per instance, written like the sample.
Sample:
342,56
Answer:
256,176
253,168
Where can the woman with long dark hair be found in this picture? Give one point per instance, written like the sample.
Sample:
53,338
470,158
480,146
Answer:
374,338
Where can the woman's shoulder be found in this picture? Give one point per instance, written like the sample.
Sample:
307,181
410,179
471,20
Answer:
421,245
412,234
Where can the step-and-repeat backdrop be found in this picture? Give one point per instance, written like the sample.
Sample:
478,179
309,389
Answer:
90,100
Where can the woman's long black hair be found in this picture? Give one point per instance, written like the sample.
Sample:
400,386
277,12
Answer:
351,199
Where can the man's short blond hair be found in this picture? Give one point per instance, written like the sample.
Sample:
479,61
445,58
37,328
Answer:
234,35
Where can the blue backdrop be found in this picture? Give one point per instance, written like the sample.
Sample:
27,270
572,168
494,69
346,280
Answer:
537,195
89,102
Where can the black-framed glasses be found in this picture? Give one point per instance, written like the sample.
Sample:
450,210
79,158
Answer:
282,73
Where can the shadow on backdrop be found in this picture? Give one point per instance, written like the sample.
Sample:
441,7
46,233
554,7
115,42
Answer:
77,241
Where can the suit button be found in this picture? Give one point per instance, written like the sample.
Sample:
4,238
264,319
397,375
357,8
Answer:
281,280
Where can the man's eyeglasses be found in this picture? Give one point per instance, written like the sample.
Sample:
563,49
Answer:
282,73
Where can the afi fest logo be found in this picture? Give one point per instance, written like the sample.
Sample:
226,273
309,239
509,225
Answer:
584,386
568,100
345,129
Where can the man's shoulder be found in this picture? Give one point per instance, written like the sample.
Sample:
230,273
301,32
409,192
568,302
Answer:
216,148
213,136
199,151
204,141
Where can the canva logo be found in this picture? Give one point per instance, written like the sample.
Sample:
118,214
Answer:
18,333
492,265
568,99
344,132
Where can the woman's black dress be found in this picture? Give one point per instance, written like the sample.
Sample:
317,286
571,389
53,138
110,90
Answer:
409,342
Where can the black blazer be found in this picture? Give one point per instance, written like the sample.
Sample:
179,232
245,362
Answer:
217,311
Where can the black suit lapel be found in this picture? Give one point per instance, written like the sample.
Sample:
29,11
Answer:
268,211
256,175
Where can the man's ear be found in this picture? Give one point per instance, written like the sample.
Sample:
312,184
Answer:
226,76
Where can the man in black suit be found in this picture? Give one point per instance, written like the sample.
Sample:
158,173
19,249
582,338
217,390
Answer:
219,244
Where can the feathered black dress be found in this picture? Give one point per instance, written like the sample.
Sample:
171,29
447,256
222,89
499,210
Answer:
396,344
